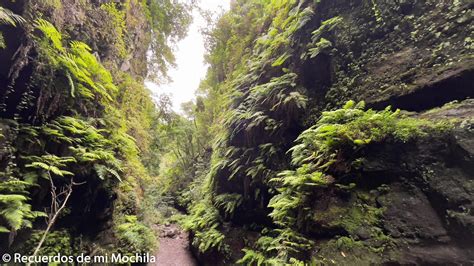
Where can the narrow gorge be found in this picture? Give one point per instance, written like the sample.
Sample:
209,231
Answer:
325,132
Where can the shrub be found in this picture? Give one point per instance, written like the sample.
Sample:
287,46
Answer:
134,237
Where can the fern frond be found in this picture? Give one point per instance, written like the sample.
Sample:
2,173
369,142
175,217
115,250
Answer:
10,18
50,32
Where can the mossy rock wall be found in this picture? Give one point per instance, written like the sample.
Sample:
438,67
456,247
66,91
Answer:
35,92
118,33
414,55
412,201
412,204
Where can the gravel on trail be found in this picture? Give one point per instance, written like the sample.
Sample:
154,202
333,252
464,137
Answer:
174,248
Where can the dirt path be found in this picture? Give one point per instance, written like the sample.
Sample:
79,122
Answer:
174,248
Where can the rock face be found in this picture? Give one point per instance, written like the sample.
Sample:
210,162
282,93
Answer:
82,21
412,205
407,57
428,199
413,202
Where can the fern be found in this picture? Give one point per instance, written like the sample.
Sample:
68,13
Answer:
204,221
10,18
337,135
14,208
52,34
84,73
277,247
326,26
134,235
50,164
228,202
253,257
319,41
104,171
210,238
319,47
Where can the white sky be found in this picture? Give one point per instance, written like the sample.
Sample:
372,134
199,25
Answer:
189,54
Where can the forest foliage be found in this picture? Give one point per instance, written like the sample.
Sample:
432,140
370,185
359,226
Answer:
271,153
272,131
84,122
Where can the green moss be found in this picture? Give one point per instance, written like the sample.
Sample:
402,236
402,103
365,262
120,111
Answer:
351,217
346,251
347,243
379,240
53,4
118,27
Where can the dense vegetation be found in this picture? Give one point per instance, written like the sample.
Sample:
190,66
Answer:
295,150
79,127
289,163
